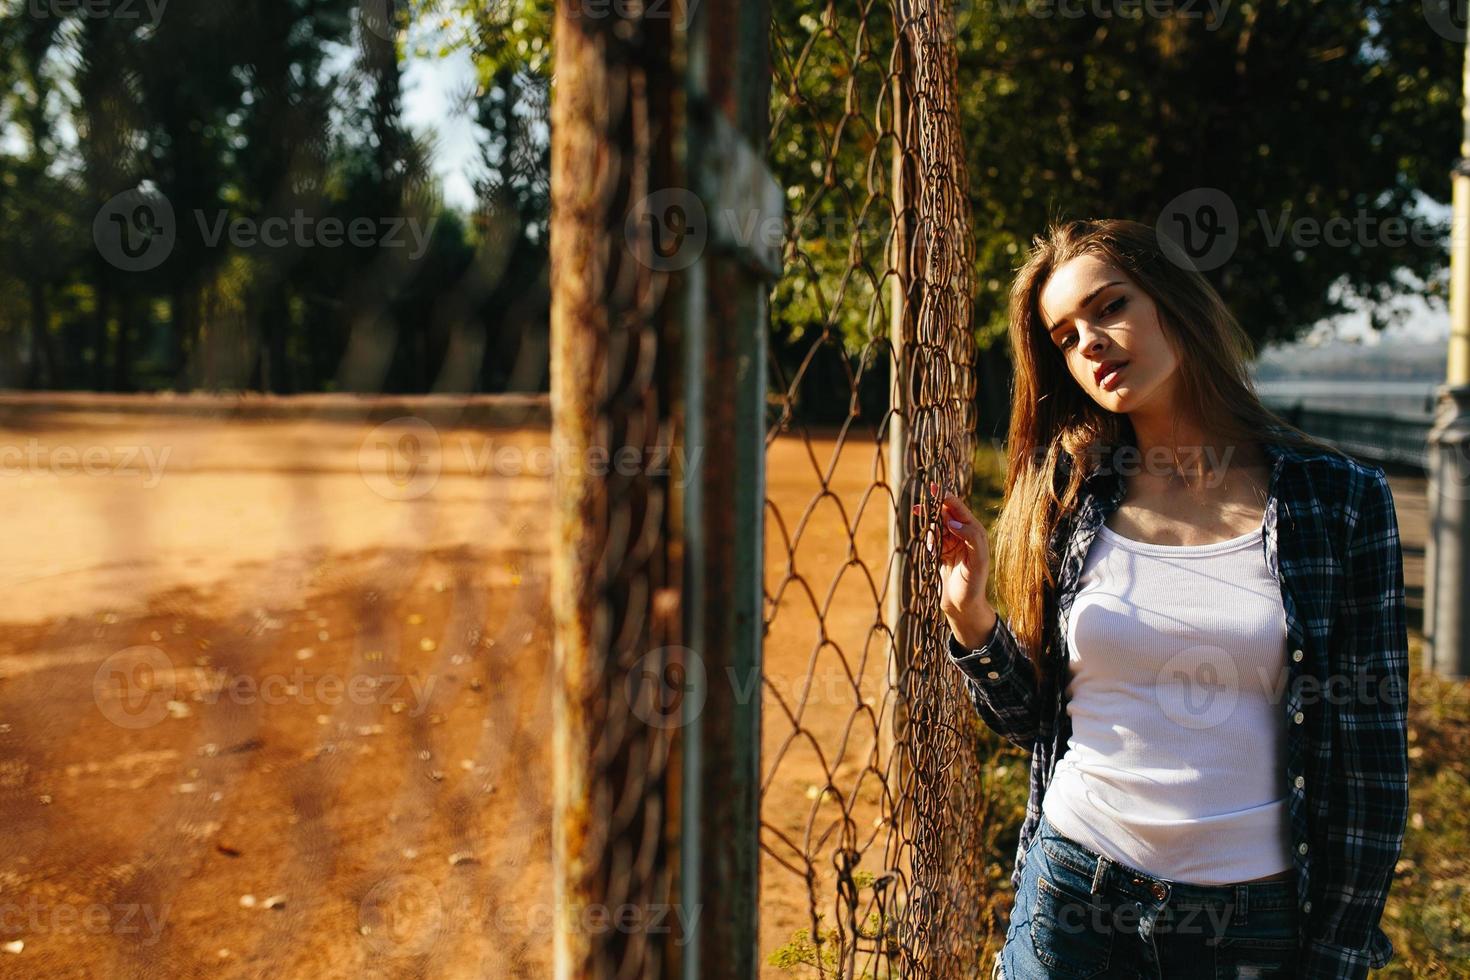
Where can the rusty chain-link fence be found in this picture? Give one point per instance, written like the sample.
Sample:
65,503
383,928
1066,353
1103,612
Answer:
355,750
876,809
856,759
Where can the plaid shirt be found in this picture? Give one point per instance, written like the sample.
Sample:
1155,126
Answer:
1347,774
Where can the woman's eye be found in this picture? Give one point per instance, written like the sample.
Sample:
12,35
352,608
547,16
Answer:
1115,306
1067,340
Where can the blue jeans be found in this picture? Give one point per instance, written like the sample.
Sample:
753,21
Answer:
1081,915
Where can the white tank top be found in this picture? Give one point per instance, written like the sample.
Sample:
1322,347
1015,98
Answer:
1176,764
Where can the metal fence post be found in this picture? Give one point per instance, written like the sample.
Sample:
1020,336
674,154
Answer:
727,325
899,594
616,587
1447,554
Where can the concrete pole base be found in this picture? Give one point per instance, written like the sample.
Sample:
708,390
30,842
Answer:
1447,554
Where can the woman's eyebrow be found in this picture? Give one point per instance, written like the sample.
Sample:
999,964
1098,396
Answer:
1083,305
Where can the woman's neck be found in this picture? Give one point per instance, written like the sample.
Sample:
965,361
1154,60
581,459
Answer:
1177,449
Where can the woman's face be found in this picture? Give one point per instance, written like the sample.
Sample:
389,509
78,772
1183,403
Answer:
1109,333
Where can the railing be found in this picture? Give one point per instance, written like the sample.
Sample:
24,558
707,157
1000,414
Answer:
1382,437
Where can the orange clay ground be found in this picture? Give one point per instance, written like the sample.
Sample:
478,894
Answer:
268,709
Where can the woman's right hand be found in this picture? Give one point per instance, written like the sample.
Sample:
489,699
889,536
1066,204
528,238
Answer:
964,558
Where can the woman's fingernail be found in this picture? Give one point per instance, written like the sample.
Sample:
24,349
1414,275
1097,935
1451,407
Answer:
956,525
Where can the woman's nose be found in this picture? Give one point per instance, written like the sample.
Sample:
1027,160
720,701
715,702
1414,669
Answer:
1089,339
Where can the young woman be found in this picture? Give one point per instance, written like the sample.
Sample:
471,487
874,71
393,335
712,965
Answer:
1204,644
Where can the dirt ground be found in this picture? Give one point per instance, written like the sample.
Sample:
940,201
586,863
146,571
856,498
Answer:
274,702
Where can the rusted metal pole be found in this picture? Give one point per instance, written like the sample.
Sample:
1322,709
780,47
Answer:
729,99
615,573
895,716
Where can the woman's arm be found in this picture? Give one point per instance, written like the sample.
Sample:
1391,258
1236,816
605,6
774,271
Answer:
1002,684
1368,799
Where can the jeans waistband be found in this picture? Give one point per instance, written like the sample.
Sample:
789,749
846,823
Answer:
1141,886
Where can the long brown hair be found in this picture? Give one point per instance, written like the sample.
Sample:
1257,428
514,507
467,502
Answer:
1056,427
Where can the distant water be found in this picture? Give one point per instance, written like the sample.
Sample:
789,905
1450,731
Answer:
1348,394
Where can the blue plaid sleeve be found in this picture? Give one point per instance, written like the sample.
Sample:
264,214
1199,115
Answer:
1002,684
1368,796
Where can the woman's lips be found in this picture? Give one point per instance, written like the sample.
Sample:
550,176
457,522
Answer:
1110,380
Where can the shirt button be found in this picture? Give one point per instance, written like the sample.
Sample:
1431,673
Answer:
993,675
1296,655
1158,891
1298,717
1307,906
1301,848
1299,782
985,660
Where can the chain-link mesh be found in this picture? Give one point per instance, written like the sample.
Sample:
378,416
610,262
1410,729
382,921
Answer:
334,760
876,807
615,569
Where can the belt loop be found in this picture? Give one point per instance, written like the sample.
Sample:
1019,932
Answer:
1242,904
1097,875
